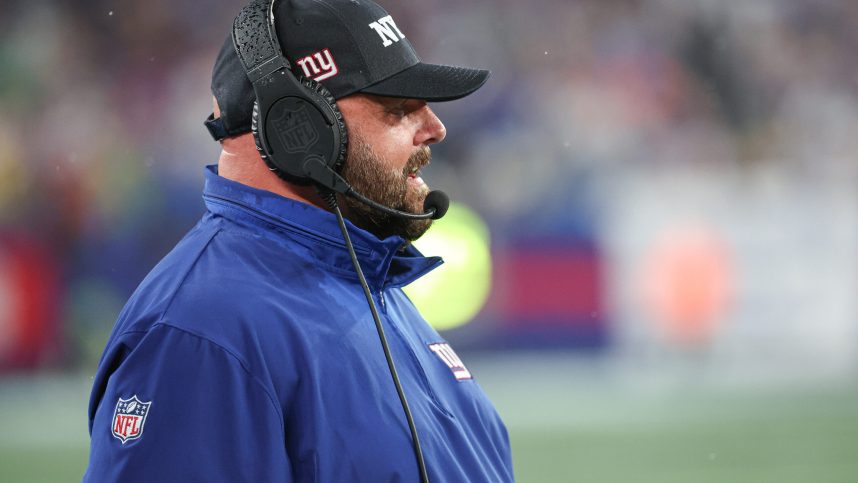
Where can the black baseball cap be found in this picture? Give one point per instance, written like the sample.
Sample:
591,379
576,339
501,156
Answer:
347,45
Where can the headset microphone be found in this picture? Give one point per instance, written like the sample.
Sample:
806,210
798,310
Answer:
437,202
434,207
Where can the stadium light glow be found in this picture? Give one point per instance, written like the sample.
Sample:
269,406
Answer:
452,294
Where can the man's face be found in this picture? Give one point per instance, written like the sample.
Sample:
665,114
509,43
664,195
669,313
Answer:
389,142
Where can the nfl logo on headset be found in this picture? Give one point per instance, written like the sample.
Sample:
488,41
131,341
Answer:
295,130
129,418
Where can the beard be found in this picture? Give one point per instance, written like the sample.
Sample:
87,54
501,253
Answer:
370,176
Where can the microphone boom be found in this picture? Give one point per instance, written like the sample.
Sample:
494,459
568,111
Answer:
434,207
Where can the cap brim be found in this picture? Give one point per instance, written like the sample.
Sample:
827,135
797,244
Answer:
430,82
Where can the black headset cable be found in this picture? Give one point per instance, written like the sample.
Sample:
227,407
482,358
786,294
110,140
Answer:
331,199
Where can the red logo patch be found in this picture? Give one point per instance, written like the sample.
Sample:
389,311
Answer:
319,66
448,355
129,418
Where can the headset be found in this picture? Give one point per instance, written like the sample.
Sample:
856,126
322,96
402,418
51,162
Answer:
298,128
301,135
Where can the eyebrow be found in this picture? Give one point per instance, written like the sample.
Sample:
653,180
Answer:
395,102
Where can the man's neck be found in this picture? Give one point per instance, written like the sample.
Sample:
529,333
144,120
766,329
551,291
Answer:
240,162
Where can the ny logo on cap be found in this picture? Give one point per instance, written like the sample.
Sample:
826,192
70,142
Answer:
318,66
386,28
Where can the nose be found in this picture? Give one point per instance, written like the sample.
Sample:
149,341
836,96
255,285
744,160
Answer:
431,129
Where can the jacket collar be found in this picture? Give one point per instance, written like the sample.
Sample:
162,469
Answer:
385,263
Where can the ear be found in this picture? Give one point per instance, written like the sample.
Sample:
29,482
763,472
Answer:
215,107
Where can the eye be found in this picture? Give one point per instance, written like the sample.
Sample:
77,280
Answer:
397,110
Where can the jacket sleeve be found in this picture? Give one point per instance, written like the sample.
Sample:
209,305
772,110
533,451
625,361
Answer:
175,407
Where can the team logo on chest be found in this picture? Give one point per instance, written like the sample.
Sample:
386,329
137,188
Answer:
448,355
129,418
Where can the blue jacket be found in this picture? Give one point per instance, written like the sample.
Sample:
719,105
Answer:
249,355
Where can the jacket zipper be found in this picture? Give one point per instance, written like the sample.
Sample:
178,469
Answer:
381,301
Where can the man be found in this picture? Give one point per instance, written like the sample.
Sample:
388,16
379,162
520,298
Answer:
249,354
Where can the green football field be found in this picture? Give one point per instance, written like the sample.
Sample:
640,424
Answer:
565,425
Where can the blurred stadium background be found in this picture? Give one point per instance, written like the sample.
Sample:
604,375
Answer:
659,198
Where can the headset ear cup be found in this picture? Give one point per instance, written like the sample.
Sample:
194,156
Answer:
307,94
265,155
324,95
254,128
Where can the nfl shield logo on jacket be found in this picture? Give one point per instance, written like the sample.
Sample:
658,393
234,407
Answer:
129,418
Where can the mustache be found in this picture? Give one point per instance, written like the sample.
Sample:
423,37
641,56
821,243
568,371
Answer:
417,160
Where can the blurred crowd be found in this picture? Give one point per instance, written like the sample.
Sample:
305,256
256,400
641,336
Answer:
102,144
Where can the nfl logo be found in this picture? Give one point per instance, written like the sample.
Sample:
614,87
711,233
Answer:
295,130
129,418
